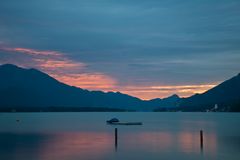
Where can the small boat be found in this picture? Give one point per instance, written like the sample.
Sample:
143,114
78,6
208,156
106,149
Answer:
115,121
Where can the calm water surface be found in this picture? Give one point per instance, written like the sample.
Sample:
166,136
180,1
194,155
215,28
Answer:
80,136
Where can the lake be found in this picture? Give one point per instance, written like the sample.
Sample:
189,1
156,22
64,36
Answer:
86,136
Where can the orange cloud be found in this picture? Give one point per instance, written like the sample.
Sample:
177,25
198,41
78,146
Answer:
92,81
51,64
150,92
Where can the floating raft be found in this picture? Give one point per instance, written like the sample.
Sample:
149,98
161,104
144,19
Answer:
115,121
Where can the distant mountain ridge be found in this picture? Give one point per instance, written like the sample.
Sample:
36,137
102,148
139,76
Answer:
168,102
21,88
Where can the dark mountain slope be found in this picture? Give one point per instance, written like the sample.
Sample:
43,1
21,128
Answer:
225,94
31,88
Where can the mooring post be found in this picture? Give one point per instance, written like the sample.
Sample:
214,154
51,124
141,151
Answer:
116,138
201,139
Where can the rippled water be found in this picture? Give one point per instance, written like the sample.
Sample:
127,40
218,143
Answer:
80,136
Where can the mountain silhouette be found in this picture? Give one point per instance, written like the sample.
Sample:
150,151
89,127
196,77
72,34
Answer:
21,87
169,102
32,89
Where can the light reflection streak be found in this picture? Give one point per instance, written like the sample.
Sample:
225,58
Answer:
79,145
187,142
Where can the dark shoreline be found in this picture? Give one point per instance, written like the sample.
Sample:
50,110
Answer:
61,109
90,109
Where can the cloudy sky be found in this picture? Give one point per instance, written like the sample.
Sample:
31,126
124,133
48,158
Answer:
145,48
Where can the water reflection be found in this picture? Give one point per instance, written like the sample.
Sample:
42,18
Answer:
64,146
161,141
99,145
187,142
21,146
85,145
159,138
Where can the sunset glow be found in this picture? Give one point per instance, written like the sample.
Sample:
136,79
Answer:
150,92
51,64
76,73
94,81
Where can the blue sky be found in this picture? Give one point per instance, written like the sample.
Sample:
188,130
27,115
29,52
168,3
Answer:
147,49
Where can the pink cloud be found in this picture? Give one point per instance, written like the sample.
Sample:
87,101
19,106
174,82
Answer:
52,64
31,51
92,81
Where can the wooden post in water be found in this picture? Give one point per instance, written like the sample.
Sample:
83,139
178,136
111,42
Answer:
116,138
201,139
